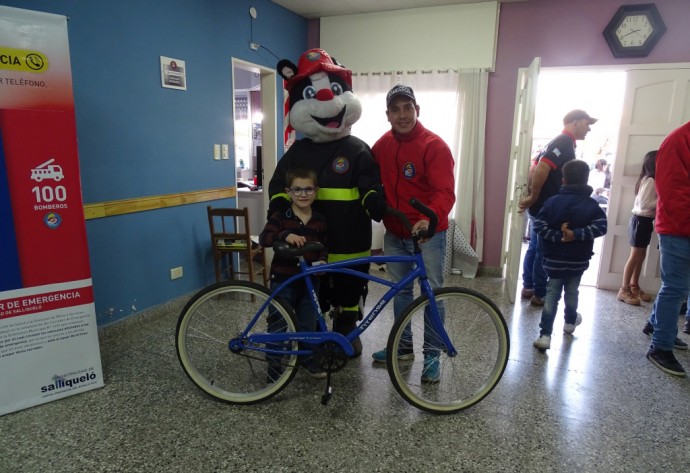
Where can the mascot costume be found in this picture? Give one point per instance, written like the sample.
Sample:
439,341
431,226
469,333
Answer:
323,109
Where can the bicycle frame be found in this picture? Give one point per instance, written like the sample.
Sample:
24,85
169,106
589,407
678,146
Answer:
342,267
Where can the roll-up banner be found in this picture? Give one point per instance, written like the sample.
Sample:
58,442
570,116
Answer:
48,333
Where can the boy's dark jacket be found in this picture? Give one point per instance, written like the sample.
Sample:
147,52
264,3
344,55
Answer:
585,217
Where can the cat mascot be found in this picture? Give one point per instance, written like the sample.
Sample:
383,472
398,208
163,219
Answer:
323,109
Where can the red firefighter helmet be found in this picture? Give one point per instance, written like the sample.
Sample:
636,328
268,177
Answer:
318,60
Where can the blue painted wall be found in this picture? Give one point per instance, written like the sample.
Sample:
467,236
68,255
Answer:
138,139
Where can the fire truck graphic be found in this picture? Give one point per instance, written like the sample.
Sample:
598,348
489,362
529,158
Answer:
47,171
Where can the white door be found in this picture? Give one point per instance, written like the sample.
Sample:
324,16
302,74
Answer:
656,102
518,172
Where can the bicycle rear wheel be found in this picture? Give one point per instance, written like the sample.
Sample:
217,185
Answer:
213,317
475,327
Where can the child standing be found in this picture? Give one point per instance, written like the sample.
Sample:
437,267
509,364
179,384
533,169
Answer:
640,229
568,223
297,225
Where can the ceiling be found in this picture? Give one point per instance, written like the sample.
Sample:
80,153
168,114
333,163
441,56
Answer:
321,8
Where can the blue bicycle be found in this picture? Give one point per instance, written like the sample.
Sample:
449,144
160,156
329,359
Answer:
237,340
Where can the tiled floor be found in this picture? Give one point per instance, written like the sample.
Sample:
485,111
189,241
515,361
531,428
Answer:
591,403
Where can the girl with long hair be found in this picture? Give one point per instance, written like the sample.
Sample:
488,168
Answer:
640,229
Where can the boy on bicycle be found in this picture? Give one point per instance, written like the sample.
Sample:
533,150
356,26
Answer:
297,225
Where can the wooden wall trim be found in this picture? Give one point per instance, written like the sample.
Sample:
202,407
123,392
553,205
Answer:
140,204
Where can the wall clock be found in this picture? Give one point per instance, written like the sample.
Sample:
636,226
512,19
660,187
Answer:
634,30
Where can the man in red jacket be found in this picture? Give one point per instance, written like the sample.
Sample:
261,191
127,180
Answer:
672,223
414,162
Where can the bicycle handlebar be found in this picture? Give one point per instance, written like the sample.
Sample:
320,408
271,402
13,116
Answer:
285,249
433,218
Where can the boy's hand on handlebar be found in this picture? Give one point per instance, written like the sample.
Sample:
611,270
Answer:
296,240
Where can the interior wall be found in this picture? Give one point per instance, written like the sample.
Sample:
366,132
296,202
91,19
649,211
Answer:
138,139
455,36
562,33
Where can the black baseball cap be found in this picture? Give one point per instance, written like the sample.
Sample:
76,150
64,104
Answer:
398,91
574,115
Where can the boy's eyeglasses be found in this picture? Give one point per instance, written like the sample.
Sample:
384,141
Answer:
302,190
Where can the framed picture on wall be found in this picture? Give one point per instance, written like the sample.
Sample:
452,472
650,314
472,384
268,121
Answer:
173,73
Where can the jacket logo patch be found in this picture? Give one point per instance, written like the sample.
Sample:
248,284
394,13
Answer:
409,171
341,165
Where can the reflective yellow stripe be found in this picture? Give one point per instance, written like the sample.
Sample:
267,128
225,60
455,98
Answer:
282,195
354,308
335,257
337,194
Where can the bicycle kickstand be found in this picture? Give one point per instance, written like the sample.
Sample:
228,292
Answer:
329,389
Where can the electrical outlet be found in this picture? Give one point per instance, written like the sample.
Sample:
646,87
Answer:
225,151
176,273
216,151
254,46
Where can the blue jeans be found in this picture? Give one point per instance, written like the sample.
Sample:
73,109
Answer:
570,288
299,300
533,274
433,253
675,286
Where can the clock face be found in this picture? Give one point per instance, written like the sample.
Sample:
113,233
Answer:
634,31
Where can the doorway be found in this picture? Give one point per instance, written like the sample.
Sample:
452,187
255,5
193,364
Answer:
601,94
255,136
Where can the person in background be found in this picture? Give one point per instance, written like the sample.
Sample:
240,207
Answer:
545,180
640,229
672,224
414,162
297,225
597,176
568,223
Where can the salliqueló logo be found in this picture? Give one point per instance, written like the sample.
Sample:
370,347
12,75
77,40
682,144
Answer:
69,380
23,60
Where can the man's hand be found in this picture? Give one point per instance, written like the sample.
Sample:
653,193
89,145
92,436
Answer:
422,225
568,234
524,203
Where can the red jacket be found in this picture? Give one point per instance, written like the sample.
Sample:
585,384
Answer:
418,164
672,181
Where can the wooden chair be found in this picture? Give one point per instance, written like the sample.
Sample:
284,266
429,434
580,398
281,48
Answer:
227,238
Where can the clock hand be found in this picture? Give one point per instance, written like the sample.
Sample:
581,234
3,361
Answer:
633,31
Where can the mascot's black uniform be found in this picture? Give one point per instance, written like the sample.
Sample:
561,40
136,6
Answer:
323,108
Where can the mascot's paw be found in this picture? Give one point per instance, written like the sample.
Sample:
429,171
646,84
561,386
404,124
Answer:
277,205
375,205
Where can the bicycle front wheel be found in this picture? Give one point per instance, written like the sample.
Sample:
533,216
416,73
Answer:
220,313
418,362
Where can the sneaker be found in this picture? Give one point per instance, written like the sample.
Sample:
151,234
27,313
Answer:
570,328
314,370
637,291
648,328
543,342
527,293
678,344
686,327
626,295
403,355
431,373
665,361
536,301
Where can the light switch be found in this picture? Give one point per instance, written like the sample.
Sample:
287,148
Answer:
216,151
225,151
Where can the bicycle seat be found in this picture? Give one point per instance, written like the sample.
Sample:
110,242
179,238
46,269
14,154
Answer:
286,250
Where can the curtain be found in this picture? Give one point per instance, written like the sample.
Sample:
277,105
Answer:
452,105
